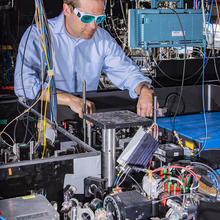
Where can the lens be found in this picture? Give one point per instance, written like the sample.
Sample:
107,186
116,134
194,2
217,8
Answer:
87,18
100,19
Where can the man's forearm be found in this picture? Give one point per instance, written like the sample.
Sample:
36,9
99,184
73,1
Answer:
62,97
74,102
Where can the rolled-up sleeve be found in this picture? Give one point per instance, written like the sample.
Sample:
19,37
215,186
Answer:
28,71
120,69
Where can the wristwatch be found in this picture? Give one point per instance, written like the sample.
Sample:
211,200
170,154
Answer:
146,85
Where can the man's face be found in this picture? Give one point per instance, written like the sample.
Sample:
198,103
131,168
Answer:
77,28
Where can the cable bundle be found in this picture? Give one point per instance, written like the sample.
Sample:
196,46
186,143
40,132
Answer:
46,43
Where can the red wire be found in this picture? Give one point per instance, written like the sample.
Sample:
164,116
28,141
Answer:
188,175
179,167
150,163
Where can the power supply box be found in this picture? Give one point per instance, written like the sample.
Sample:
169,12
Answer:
31,207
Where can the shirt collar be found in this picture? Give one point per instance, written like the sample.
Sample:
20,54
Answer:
59,26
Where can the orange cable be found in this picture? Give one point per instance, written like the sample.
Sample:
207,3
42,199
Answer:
216,3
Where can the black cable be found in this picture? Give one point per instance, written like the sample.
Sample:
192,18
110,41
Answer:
45,70
184,67
175,94
49,39
22,63
49,46
14,132
212,171
26,125
178,80
157,82
26,129
47,29
216,70
139,186
55,96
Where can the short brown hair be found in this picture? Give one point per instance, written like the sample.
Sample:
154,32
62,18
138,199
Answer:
73,3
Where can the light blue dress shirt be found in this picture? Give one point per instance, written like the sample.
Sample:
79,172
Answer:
75,60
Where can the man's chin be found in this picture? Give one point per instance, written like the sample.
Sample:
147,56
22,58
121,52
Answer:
87,36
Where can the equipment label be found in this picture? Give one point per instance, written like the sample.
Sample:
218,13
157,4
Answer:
178,33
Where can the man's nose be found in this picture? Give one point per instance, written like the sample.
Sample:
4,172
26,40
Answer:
93,24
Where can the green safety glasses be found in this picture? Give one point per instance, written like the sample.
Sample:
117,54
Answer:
88,18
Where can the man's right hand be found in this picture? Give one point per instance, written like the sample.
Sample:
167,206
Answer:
76,104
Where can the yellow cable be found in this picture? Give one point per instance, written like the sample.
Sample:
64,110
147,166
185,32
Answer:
45,122
44,46
42,72
48,92
40,38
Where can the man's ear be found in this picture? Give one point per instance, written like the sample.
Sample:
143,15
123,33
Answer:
66,9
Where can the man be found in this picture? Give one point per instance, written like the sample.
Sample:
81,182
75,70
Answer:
82,52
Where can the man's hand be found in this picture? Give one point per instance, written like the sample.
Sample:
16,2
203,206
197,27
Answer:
145,103
76,105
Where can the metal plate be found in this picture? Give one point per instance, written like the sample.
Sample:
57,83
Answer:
117,119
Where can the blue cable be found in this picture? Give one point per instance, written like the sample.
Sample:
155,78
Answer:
214,197
38,3
47,47
45,38
210,17
116,181
54,116
54,99
210,12
203,104
203,91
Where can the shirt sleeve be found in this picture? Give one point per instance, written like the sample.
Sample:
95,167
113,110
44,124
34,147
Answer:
120,69
28,71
